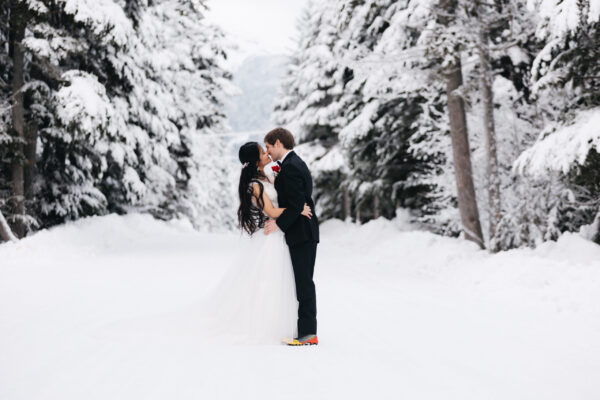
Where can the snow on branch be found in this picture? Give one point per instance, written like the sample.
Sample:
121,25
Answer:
37,6
5,232
562,16
561,149
46,42
84,102
105,17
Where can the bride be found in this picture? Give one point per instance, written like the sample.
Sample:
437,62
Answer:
257,298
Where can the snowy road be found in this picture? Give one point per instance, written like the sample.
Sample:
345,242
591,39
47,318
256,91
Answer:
104,309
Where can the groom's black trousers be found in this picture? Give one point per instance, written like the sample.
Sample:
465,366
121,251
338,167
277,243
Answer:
303,260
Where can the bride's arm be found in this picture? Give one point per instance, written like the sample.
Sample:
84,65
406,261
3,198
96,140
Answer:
270,210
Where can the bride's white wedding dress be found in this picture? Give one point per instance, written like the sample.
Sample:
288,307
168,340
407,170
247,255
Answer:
256,300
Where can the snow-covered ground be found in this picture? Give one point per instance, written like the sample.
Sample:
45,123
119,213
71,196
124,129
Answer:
93,310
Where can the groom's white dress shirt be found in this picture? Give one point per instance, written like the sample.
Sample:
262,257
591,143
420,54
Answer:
284,156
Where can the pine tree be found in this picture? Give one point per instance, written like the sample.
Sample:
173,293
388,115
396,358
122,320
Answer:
487,96
119,129
398,143
311,104
412,76
364,120
16,32
565,75
177,106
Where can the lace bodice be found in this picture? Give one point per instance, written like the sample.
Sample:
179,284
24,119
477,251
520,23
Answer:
269,190
272,193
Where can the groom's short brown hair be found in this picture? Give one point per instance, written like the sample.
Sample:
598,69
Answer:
283,135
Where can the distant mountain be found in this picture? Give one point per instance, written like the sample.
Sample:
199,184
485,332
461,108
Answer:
258,78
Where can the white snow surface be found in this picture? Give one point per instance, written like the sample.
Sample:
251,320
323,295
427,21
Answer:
107,307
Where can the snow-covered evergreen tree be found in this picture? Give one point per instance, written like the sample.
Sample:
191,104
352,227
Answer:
311,104
5,92
399,142
511,47
364,128
373,88
176,106
125,98
501,31
566,83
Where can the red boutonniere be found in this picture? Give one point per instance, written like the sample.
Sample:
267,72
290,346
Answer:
276,168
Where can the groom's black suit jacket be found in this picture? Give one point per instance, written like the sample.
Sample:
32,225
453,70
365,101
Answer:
294,188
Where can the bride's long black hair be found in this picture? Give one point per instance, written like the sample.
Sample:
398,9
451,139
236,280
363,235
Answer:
250,214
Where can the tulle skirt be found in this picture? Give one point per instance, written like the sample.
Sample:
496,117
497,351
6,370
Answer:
255,302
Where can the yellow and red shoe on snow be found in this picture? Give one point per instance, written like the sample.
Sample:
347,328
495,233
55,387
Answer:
308,340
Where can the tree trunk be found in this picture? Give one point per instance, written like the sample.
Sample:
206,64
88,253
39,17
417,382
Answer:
376,208
487,96
467,202
18,21
5,232
31,136
596,237
347,204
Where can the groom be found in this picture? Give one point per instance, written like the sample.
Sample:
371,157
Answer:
294,188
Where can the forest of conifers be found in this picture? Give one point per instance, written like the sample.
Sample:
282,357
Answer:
480,117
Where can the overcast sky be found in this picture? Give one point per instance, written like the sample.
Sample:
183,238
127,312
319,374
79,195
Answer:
258,25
